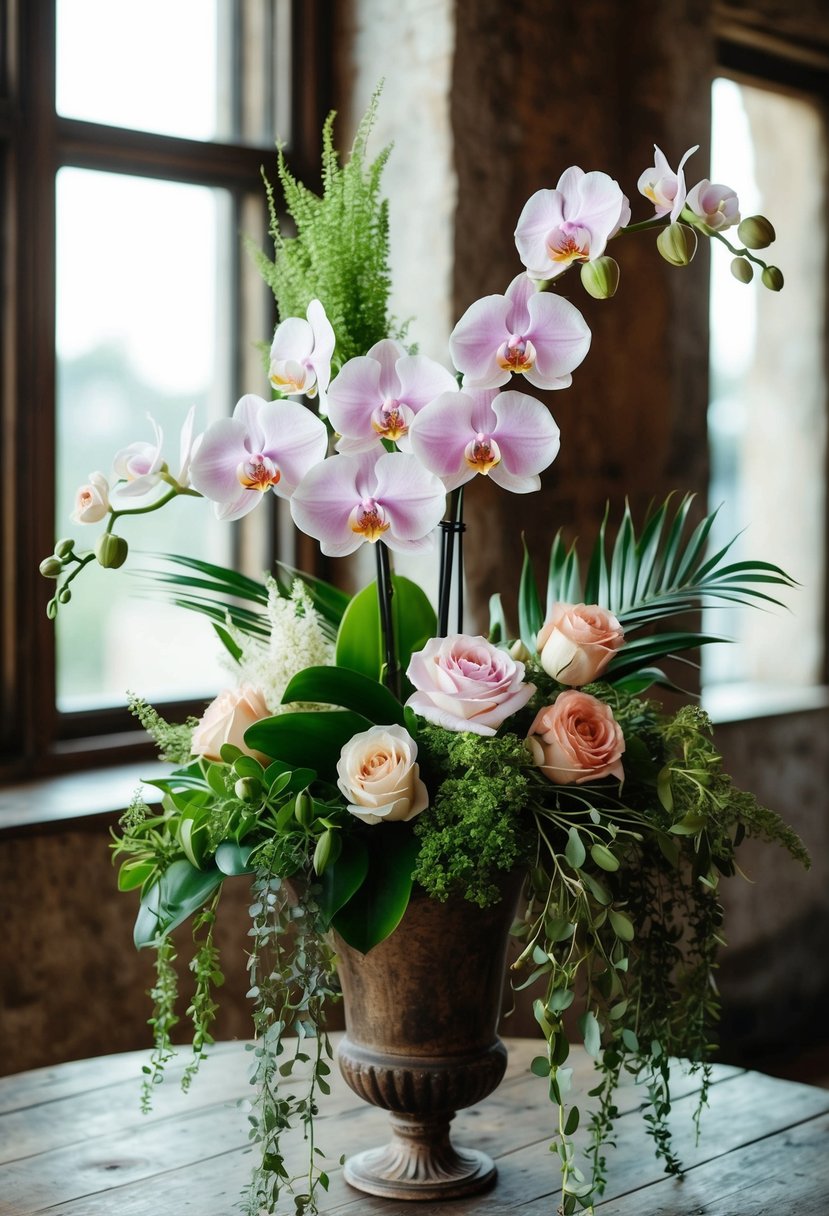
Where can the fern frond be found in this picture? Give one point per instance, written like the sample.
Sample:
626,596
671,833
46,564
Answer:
340,253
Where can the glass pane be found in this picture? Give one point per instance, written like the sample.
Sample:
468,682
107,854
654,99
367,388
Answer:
767,418
143,327
199,69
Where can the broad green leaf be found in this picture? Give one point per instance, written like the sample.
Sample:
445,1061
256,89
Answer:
134,874
359,639
341,880
180,891
233,858
377,907
307,739
350,689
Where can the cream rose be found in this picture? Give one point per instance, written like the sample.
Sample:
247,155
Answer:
466,683
92,500
379,777
577,642
225,721
577,739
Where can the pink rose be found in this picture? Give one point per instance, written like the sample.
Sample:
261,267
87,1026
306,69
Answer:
225,721
577,642
379,778
466,683
577,739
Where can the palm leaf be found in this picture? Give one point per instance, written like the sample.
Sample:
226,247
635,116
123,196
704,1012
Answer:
221,593
661,573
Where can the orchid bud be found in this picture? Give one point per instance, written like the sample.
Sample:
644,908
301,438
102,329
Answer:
756,232
64,547
64,596
742,270
327,850
111,551
677,244
247,789
52,609
600,278
772,278
304,809
51,567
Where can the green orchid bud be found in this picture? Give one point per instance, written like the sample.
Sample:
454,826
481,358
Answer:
756,232
327,851
248,789
64,596
51,567
600,278
304,809
677,244
64,547
772,278
52,609
111,551
742,270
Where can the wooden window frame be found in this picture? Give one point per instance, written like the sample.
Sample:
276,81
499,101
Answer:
35,142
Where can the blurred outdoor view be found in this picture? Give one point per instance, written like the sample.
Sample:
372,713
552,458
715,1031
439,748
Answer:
767,416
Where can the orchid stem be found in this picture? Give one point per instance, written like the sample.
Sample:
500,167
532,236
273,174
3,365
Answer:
385,593
451,527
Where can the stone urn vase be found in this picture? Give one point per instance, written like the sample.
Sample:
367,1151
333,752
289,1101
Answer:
421,1013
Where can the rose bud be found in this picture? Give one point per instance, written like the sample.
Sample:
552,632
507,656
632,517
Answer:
577,642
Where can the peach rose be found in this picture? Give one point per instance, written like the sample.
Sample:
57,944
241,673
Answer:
378,776
225,721
577,739
577,642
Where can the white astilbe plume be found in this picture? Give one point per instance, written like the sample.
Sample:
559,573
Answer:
296,642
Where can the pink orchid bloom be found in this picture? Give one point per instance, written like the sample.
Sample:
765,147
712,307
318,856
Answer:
509,437
572,223
716,205
347,500
265,445
301,353
376,396
139,465
532,333
665,189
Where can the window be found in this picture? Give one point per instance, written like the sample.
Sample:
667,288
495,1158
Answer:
768,412
131,139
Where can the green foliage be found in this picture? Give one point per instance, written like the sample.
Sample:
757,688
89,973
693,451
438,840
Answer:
340,253
171,739
645,578
359,640
474,829
290,968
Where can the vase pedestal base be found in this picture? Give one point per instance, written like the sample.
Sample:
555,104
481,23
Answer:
420,1162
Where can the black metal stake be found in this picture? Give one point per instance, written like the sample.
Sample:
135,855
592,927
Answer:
385,593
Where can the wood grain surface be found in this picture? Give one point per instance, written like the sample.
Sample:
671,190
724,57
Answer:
74,1143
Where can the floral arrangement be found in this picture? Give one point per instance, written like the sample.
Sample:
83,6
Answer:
365,747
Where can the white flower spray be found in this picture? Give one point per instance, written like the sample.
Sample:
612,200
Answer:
297,641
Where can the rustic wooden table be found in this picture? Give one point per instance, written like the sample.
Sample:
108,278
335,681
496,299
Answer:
73,1143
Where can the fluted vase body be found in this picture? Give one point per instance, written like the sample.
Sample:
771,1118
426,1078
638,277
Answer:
421,1013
